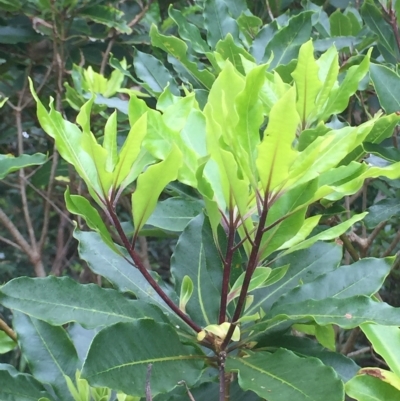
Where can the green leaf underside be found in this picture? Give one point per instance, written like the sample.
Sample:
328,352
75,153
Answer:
283,376
9,163
49,352
62,300
135,346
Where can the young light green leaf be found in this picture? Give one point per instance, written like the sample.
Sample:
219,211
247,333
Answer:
326,336
385,339
259,277
110,142
10,163
150,184
307,81
186,292
6,343
80,206
276,153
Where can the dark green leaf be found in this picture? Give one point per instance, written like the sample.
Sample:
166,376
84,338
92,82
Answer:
286,43
261,41
62,300
340,24
391,154
387,86
382,211
305,266
364,277
283,376
9,163
49,352
195,256
109,16
174,214
134,346
17,386
153,73
16,34
178,49
218,22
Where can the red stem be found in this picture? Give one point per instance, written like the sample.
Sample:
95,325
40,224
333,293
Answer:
136,259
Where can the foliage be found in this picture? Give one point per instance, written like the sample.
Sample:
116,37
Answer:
258,144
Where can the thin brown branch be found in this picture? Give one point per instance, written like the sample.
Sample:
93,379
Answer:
349,247
8,330
9,242
350,342
375,232
392,245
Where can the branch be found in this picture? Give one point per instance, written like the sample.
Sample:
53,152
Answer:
392,245
8,330
349,247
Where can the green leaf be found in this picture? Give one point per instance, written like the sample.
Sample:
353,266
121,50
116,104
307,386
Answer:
116,269
9,163
328,234
387,85
80,206
382,211
307,82
369,388
150,184
391,154
345,367
109,16
259,277
364,277
339,96
384,340
229,50
261,41
174,214
125,368
153,73
340,24
6,343
275,153
188,32
68,139
376,22
17,386
293,35
49,352
305,266
178,49
276,377
185,293
17,34
218,22
61,300
344,312
195,256
110,142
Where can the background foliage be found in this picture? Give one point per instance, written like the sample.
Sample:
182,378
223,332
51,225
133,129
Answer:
68,47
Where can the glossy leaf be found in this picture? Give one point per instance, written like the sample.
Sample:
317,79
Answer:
296,33
307,81
9,163
62,300
178,49
80,206
369,388
305,266
364,277
174,214
384,340
110,142
276,377
126,367
275,153
153,73
218,22
381,211
387,84
17,386
49,352
149,186
195,256
344,312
